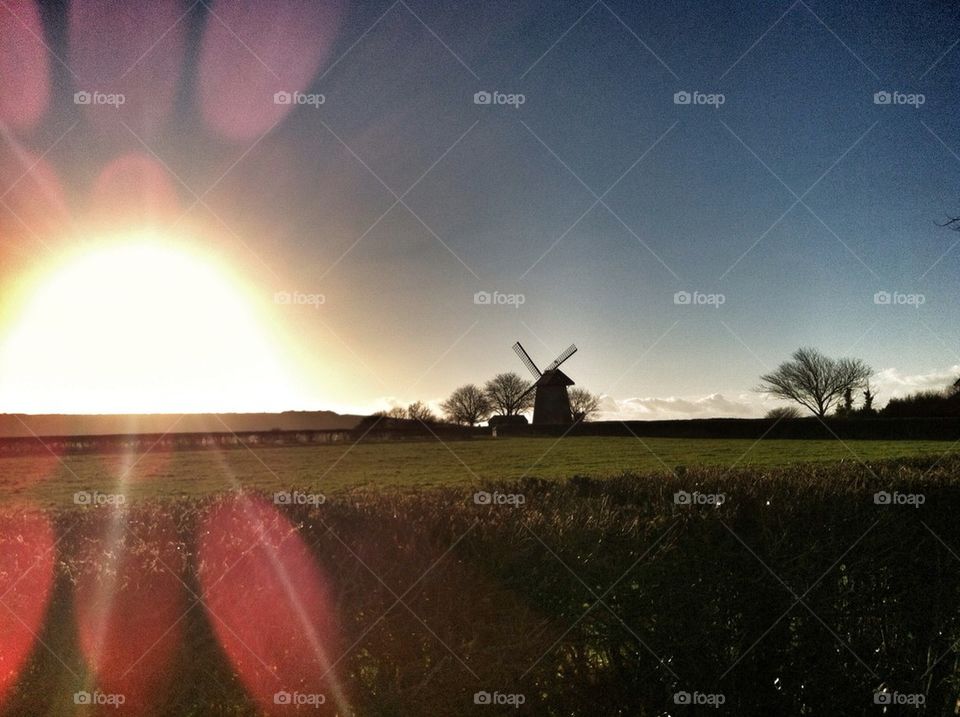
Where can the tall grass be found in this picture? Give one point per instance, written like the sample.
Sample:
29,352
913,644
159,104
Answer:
799,594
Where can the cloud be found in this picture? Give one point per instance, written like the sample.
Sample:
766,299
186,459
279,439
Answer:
714,405
885,384
891,383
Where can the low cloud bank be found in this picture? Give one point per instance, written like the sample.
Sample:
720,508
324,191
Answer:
715,405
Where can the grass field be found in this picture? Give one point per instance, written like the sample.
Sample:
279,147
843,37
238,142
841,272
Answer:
52,481
592,597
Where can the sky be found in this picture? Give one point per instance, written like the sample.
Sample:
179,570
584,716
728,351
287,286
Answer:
787,200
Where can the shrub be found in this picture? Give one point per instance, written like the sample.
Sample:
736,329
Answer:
783,412
923,404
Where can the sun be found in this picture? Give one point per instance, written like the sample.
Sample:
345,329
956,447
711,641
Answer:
142,325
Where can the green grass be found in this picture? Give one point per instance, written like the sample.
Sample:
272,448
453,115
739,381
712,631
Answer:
50,481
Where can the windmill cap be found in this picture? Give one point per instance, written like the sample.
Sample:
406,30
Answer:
554,377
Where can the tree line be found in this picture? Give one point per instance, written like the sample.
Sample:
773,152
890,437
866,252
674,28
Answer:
506,394
822,384
813,381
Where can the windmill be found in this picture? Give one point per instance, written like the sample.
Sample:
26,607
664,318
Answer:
551,404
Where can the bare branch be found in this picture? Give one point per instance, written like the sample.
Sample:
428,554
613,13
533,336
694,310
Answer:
583,404
467,405
815,381
508,394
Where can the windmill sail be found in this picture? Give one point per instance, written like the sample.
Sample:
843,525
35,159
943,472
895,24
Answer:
527,361
529,389
567,353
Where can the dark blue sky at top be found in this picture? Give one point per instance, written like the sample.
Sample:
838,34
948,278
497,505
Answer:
599,94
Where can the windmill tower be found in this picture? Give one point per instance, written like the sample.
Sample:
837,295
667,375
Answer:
551,404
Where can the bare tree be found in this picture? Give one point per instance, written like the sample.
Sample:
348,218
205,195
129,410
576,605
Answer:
394,412
583,404
952,223
813,380
419,411
507,393
468,405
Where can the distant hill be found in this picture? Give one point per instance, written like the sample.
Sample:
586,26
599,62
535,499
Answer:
94,425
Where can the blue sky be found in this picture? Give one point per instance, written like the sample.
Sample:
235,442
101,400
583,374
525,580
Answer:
700,210
597,199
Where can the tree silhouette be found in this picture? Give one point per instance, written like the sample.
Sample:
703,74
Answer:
813,380
419,411
507,393
846,408
583,404
467,405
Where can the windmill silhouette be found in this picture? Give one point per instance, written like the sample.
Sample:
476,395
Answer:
551,404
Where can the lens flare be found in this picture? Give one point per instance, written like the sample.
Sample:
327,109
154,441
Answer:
134,189
252,51
132,79
34,211
24,65
129,603
27,559
270,607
